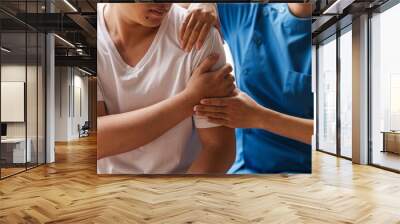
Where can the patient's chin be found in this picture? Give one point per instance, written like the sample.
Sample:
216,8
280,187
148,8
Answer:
151,22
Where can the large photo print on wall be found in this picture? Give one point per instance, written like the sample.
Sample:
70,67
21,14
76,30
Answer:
206,88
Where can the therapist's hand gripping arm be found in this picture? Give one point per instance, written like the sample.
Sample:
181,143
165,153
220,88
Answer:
123,132
201,16
197,25
241,111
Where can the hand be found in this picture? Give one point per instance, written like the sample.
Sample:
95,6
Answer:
301,10
204,84
197,25
238,111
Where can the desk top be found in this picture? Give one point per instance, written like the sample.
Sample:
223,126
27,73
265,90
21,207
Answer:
391,132
13,140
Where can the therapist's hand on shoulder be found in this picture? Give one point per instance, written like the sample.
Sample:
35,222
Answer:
205,83
237,111
201,17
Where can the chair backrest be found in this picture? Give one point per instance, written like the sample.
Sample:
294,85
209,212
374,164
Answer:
86,124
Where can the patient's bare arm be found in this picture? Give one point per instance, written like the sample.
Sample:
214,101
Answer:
119,133
218,151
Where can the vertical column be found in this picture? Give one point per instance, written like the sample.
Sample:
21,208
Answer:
360,90
50,98
50,92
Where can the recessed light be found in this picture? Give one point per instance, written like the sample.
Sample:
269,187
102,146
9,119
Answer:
70,5
5,50
64,40
84,71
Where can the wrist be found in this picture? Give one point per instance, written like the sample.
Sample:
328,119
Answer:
259,117
264,118
190,97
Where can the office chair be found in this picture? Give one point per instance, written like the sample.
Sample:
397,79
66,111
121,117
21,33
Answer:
84,130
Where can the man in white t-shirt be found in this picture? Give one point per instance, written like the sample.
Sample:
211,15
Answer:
147,87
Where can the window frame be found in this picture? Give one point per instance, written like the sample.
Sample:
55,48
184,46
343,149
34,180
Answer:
333,37
378,10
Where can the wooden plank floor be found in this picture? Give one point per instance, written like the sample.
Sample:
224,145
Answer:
69,191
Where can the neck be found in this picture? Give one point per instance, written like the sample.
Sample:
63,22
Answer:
124,29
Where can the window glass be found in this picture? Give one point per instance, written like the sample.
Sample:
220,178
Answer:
327,96
346,94
15,149
385,90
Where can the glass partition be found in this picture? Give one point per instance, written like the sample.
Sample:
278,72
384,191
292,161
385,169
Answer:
326,71
31,99
346,93
14,153
385,89
22,77
41,108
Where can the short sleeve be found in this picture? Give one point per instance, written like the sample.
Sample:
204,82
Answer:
213,44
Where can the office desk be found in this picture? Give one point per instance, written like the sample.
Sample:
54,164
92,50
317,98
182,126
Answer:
391,141
13,150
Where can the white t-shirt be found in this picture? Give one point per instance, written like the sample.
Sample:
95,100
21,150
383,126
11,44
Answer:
162,73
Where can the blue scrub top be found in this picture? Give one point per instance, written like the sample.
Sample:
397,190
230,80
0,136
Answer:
271,50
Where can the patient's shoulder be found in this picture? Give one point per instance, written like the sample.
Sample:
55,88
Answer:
178,13
176,18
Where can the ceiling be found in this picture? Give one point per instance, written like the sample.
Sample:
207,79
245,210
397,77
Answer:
75,21
72,20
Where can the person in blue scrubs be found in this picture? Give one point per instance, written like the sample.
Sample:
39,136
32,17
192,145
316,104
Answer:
273,111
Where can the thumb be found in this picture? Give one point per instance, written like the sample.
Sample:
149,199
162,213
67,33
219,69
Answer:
208,63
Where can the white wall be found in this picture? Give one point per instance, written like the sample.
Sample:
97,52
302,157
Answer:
12,73
61,103
70,83
327,96
33,127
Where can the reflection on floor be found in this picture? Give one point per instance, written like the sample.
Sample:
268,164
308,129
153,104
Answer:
13,169
10,171
69,191
387,159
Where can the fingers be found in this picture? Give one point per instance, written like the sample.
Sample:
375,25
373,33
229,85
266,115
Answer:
231,90
193,37
203,108
196,27
183,28
189,28
211,115
216,101
229,81
229,77
207,64
203,35
222,72
234,91
219,121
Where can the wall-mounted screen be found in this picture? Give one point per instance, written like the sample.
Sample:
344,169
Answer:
12,101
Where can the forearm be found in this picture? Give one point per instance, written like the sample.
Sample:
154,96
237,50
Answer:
218,152
123,132
295,128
